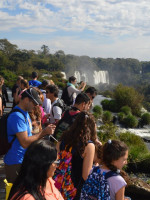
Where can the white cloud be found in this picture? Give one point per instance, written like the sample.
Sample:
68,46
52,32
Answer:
131,48
99,16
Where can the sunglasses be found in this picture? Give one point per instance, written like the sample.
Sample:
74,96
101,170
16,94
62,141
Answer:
93,97
56,162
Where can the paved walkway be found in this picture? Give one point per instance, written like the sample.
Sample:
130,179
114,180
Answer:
2,177
2,171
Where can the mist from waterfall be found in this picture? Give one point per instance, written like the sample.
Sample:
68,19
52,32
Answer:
77,75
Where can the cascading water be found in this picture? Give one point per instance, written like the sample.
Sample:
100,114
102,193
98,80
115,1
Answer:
101,77
93,79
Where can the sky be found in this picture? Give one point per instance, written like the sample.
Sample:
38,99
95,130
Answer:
96,28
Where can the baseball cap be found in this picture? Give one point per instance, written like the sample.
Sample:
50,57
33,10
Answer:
31,93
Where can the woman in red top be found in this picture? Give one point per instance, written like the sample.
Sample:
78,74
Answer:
35,178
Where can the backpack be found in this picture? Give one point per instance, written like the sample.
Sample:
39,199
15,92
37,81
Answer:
96,186
62,175
68,100
60,103
64,123
4,145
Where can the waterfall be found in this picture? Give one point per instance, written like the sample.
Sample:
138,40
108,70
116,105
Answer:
95,77
101,77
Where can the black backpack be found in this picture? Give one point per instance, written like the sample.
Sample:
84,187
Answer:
63,124
60,103
65,97
4,145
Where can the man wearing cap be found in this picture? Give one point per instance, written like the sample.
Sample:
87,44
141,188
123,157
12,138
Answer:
19,128
34,82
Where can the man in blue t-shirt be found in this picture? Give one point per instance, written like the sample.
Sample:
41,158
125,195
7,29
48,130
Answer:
34,82
19,130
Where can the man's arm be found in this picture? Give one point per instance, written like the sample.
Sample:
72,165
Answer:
25,140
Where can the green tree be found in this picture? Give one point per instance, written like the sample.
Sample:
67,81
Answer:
45,50
55,65
7,47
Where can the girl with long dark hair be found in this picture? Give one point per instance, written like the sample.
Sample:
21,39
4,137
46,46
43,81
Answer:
34,181
81,138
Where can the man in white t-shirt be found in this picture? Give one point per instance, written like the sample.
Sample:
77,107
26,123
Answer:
56,111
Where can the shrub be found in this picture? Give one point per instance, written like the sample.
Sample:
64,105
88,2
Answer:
97,109
130,121
96,115
107,117
113,106
106,132
121,117
137,147
126,110
128,96
145,119
105,104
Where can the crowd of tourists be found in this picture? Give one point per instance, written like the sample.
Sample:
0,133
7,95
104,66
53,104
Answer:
55,152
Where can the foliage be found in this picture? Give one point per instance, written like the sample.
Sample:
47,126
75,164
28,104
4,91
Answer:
145,119
121,117
128,96
9,77
106,132
107,117
108,94
98,109
130,121
110,105
105,104
137,147
7,47
126,110
146,105
113,106
96,116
